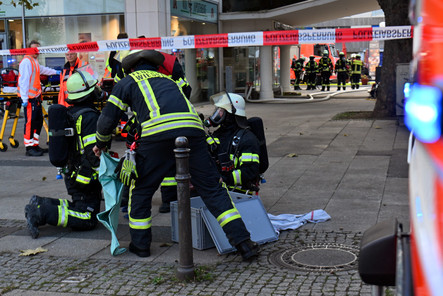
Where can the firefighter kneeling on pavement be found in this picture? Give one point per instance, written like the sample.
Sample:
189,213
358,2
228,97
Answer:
233,145
81,176
165,113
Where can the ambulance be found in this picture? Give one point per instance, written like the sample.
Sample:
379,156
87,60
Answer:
413,261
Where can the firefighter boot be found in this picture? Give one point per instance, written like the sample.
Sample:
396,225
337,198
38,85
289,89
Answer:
248,249
328,87
353,86
357,86
139,252
338,88
33,219
344,87
322,88
39,200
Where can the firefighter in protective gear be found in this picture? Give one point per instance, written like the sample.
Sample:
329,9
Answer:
81,172
237,149
73,63
311,69
30,90
172,68
298,71
325,68
356,67
341,69
164,114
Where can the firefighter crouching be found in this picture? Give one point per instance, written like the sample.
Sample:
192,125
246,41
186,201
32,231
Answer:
234,145
164,114
81,176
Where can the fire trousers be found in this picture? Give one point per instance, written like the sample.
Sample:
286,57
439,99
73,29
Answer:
33,122
156,160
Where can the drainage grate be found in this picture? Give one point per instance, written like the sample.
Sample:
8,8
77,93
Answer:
317,257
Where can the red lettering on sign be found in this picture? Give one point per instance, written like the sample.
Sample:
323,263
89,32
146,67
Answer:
280,37
145,43
214,40
83,47
352,35
23,51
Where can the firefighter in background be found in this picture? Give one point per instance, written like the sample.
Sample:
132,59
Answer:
233,145
298,71
164,113
341,69
73,62
81,176
356,67
30,91
325,69
311,69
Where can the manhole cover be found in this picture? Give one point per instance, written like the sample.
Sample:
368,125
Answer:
317,257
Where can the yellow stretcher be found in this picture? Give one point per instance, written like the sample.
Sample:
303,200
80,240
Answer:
12,104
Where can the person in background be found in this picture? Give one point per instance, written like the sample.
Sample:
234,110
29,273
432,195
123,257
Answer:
341,68
325,68
356,68
73,63
311,68
30,91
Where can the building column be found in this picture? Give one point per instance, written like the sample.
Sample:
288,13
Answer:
148,18
285,63
266,73
191,73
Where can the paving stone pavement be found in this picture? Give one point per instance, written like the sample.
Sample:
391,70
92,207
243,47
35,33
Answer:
355,170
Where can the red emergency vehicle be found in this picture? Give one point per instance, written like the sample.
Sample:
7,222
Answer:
413,261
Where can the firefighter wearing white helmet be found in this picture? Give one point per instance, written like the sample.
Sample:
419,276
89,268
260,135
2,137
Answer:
81,167
164,113
233,145
325,68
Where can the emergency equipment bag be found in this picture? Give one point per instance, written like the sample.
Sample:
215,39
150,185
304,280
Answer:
62,130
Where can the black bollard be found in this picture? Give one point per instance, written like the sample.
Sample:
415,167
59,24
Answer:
185,269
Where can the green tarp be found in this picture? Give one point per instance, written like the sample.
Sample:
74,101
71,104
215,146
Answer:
112,191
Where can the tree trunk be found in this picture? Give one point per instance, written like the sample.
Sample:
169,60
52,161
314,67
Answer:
395,51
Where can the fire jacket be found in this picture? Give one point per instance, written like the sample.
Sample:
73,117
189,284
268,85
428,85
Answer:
311,67
29,85
356,66
243,148
82,163
325,65
341,65
67,72
158,104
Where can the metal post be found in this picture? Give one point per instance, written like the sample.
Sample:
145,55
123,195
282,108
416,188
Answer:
185,270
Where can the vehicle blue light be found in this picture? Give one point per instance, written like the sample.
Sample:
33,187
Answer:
423,112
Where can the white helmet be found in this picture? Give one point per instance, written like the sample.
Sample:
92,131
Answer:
227,101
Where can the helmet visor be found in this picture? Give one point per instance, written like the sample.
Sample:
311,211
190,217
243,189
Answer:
222,100
218,116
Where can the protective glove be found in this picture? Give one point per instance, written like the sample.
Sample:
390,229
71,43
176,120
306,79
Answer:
24,103
58,72
128,172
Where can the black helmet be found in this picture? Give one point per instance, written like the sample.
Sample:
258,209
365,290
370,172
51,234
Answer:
151,57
